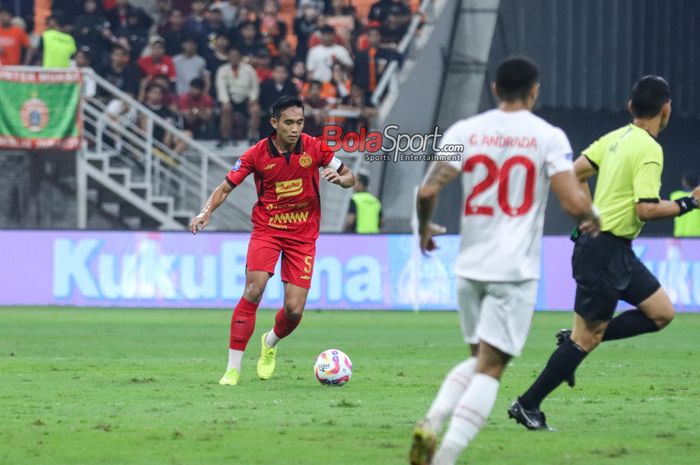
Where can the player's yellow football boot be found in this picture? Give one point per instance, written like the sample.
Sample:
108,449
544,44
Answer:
230,378
266,362
423,446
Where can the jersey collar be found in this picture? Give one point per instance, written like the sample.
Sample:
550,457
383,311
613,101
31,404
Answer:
275,153
645,130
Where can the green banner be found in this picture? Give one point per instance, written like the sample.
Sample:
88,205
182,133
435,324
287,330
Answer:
39,109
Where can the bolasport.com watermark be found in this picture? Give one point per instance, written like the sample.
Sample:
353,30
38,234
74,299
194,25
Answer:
390,144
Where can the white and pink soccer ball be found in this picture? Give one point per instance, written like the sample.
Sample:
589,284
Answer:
333,368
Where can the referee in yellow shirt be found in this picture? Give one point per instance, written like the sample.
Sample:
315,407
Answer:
628,162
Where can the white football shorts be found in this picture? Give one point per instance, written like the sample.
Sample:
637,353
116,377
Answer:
498,313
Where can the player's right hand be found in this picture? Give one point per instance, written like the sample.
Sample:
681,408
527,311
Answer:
427,243
591,225
198,222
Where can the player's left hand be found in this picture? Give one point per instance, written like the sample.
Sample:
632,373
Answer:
331,176
427,243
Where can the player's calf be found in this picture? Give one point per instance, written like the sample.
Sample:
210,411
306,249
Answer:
587,335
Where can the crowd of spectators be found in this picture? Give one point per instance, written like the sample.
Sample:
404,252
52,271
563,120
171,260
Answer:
215,67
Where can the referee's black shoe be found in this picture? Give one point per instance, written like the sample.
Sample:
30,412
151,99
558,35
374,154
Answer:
531,419
562,336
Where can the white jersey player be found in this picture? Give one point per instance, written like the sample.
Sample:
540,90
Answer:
509,159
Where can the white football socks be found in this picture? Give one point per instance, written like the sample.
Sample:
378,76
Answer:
272,339
234,359
455,384
470,415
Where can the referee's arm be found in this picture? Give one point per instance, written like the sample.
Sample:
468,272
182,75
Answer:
657,209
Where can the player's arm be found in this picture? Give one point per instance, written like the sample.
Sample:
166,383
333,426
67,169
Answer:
337,172
438,176
585,169
570,181
215,200
574,200
240,170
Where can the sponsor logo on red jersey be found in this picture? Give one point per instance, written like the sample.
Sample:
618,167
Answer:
290,188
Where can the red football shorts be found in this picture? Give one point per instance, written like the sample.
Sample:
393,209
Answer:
297,258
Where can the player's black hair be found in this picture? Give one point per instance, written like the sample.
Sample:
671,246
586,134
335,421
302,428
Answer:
284,102
515,77
363,179
649,94
327,29
691,178
197,83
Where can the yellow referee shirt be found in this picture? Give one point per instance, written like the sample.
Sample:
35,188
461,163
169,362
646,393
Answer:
629,163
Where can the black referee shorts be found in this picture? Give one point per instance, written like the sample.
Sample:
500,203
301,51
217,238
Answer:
606,270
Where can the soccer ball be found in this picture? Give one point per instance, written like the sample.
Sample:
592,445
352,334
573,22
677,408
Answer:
333,368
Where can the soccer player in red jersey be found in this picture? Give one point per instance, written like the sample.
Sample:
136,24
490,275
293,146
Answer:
286,220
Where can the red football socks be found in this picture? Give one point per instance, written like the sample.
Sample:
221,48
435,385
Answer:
242,324
284,325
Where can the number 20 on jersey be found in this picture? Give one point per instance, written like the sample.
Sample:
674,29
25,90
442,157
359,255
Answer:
502,176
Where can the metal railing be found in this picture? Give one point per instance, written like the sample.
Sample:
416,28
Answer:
120,130
390,77
139,172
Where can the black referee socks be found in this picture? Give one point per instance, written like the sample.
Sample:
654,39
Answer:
628,324
560,366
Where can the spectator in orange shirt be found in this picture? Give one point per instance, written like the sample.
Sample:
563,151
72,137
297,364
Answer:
315,109
12,40
272,26
343,18
340,82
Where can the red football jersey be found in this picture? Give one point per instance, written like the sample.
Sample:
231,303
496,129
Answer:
289,200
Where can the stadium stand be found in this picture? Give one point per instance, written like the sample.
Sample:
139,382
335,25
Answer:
266,32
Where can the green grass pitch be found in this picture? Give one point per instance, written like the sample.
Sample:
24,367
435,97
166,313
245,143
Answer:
102,386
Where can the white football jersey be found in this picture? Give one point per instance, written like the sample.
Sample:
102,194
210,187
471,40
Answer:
506,164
